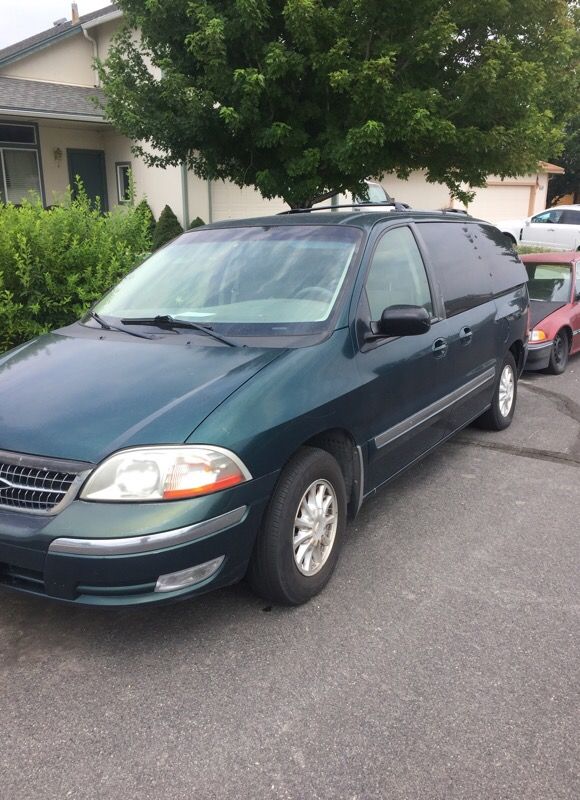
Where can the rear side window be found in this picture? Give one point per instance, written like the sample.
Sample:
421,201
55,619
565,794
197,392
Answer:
461,268
570,217
504,265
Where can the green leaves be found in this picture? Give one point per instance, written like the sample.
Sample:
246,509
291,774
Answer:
55,264
300,98
366,139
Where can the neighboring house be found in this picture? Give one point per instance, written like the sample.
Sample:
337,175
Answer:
51,131
501,198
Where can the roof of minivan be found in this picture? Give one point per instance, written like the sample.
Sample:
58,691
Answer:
360,219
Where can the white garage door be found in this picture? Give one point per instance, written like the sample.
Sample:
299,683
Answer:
501,202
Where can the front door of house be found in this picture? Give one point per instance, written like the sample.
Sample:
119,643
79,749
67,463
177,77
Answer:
89,167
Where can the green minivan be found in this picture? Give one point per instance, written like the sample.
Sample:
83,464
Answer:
225,409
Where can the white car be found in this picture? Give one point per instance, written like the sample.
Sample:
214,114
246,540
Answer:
557,228
379,200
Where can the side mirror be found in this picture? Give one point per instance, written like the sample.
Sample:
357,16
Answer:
527,222
404,321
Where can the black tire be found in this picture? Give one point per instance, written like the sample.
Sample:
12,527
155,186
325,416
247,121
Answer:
559,353
273,572
494,419
512,239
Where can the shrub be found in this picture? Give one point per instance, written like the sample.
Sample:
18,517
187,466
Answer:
54,264
196,223
144,208
167,228
524,248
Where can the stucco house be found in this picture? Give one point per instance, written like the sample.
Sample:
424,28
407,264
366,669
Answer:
51,131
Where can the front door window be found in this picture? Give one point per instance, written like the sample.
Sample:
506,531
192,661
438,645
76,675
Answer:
397,274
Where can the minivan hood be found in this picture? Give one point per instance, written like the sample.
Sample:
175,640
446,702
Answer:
81,394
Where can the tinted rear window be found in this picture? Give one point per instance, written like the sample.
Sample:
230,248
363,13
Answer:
473,262
570,217
507,271
461,270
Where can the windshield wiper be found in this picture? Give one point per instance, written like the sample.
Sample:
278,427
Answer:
167,321
108,327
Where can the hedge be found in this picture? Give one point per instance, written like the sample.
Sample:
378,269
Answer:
54,264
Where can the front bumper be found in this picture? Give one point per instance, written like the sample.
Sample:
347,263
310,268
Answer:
538,356
112,554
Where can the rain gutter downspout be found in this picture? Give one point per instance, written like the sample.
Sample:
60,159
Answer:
209,202
184,197
89,38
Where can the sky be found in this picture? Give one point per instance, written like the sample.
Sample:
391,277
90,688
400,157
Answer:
22,18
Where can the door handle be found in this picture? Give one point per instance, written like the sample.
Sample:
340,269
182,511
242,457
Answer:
440,348
465,335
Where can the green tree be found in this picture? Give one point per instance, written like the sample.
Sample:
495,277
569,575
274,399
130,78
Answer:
167,228
569,182
305,98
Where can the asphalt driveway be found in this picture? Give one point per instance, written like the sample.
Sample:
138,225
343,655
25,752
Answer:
441,661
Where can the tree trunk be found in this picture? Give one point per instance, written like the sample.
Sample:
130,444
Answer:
308,202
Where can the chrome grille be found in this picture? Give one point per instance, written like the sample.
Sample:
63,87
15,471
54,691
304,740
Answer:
28,483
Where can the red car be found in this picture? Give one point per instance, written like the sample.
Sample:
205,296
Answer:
554,287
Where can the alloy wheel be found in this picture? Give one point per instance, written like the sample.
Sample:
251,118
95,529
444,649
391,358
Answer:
315,527
506,391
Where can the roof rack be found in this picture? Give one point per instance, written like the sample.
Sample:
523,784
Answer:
396,206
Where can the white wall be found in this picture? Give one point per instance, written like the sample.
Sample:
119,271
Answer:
158,186
231,202
117,148
69,61
198,198
103,35
417,192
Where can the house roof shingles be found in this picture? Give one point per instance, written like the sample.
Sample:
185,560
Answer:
18,95
45,38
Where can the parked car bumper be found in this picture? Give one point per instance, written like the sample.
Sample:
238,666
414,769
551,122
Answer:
73,558
538,356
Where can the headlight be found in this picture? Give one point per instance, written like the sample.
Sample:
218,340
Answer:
165,473
537,336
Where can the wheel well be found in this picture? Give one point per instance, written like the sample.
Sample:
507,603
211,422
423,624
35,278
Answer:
518,352
510,236
568,331
341,445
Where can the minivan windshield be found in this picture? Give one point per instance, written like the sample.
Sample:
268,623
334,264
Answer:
280,279
552,282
